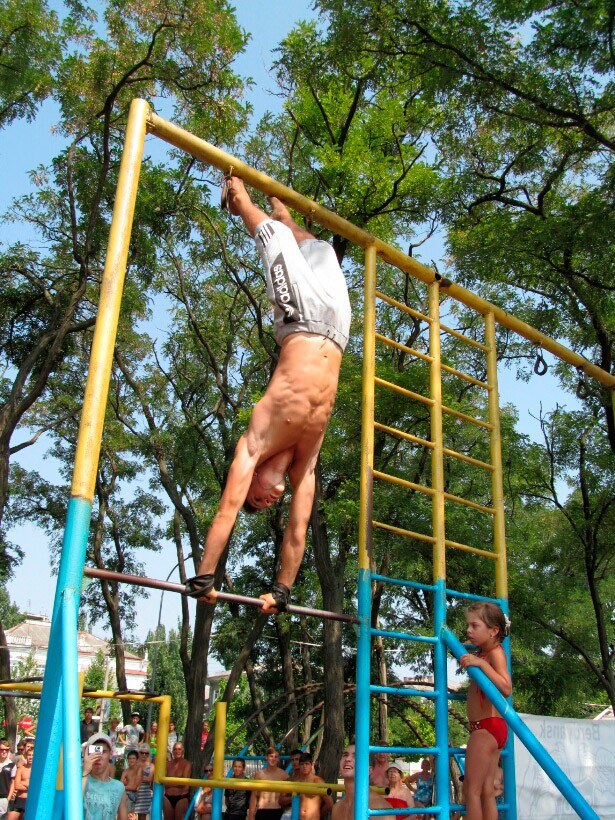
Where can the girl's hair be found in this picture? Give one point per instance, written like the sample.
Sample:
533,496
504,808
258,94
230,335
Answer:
492,616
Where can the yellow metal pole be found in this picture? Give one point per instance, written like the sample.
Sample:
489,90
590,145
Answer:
367,410
219,740
497,483
162,741
220,159
101,357
437,454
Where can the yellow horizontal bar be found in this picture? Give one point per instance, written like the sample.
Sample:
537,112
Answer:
465,417
463,457
463,338
400,434
465,548
465,376
409,393
399,346
401,306
22,687
392,479
208,153
459,500
241,784
407,533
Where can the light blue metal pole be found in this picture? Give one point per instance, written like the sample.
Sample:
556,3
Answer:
216,803
41,792
73,794
363,702
296,807
508,759
441,702
534,747
158,790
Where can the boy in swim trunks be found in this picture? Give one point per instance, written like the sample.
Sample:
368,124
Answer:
311,322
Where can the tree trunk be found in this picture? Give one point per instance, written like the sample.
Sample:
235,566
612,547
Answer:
306,729
236,672
288,679
258,706
10,712
331,578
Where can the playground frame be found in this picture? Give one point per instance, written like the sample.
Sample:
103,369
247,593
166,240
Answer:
59,714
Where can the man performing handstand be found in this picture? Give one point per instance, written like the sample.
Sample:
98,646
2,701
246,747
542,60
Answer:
308,292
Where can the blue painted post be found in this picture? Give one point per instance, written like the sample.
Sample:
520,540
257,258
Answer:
534,747
158,790
363,702
441,702
508,760
73,793
296,807
41,793
216,803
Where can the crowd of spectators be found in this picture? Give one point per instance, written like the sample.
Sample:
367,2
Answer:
118,771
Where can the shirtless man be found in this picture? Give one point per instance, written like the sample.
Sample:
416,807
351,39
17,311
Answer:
311,322
311,806
265,805
344,808
379,767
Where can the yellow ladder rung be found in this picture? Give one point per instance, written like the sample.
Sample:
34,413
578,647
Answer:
408,533
465,376
400,434
464,416
463,338
393,479
403,307
385,340
465,548
409,393
459,500
463,457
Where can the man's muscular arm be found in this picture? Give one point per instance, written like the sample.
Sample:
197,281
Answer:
293,544
235,491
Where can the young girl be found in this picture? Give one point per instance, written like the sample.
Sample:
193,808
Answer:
487,628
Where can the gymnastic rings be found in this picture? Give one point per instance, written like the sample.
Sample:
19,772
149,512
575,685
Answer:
582,388
540,365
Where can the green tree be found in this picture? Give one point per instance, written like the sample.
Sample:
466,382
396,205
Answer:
30,49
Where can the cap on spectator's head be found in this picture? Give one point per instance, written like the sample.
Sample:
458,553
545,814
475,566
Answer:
99,737
394,766
135,714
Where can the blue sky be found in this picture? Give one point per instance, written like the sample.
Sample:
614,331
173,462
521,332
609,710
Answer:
24,146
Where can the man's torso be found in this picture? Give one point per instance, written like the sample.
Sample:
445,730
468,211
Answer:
297,405
269,800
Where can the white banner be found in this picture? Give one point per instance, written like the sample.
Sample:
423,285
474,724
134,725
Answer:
584,750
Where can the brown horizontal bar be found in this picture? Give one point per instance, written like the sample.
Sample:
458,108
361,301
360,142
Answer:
142,581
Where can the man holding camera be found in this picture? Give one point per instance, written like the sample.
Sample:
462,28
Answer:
103,797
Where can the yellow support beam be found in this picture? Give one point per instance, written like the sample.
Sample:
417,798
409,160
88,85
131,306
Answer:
208,153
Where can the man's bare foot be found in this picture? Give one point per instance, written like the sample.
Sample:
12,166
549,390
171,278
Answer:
210,598
269,606
280,213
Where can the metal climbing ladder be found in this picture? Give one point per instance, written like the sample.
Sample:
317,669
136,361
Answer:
439,498
494,555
